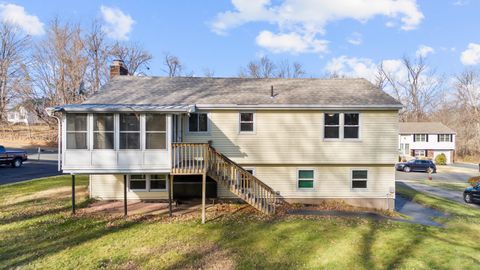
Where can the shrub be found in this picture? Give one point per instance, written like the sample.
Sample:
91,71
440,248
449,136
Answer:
473,181
441,159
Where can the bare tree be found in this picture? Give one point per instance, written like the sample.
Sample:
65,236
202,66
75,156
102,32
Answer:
13,46
287,70
133,55
266,68
418,89
173,65
98,53
58,68
209,73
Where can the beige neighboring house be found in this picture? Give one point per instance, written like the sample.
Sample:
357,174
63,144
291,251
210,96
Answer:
426,140
260,140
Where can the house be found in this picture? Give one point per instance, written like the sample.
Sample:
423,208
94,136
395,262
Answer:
260,140
20,115
426,140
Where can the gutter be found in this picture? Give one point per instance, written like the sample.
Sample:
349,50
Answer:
51,112
298,107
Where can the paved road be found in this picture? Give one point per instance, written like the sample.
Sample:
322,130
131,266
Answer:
466,165
444,174
30,170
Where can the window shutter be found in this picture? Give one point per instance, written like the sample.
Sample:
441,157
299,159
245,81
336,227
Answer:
414,137
438,137
426,135
451,137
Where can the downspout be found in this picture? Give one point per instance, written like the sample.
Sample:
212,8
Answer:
51,113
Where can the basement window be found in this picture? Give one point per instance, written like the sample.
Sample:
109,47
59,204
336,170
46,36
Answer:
158,182
359,179
77,131
138,182
305,179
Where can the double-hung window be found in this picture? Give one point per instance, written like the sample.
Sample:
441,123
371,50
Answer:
332,126
420,138
129,131
158,182
103,131
444,137
359,179
148,182
155,131
247,122
342,126
351,125
198,122
77,131
305,179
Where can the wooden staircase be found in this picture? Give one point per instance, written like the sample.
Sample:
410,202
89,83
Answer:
201,158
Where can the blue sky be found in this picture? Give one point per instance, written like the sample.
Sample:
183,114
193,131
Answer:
323,35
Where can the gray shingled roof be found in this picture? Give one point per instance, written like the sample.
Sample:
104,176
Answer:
242,91
424,127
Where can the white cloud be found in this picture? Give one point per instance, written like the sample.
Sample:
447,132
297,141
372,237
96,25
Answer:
355,39
117,24
290,42
17,16
424,51
309,18
471,56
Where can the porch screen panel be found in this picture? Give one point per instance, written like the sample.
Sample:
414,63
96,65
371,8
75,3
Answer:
129,131
156,131
77,131
103,131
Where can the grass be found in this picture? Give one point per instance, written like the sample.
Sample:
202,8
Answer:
445,185
37,231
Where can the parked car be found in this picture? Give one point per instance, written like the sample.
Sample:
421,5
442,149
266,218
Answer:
13,158
472,194
417,165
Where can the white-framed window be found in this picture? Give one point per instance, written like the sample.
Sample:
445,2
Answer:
198,122
404,148
77,131
138,182
351,125
157,182
342,126
147,182
129,131
444,137
332,126
305,179
420,138
251,170
155,131
359,179
420,153
247,122
103,131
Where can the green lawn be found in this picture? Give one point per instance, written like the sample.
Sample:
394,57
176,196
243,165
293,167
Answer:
37,231
446,185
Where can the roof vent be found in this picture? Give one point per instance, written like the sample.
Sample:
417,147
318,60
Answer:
271,92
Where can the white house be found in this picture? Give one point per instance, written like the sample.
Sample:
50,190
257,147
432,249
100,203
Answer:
299,140
426,139
20,115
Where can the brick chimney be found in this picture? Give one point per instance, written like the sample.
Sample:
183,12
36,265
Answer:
118,68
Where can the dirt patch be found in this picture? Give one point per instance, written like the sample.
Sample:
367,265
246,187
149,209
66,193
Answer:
53,193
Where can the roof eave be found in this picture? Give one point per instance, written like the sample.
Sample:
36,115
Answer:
299,106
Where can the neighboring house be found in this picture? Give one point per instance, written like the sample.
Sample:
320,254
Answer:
426,140
301,140
20,115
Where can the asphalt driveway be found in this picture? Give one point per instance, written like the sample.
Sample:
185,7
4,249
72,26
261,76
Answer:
31,169
455,174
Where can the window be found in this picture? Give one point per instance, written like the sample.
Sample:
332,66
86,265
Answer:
420,138
359,179
138,182
351,125
103,131
158,182
404,148
148,182
332,126
305,179
77,131
129,131
156,131
198,122
420,153
444,137
247,122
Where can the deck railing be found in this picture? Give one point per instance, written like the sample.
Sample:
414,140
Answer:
198,158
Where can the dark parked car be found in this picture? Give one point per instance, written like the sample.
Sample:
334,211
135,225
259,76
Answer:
472,194
14,158
417,165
